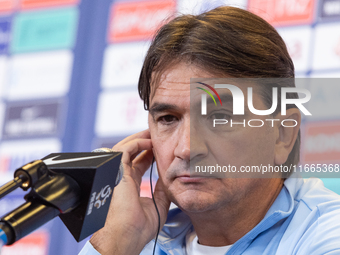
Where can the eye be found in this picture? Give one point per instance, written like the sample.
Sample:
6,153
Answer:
218,115
167,119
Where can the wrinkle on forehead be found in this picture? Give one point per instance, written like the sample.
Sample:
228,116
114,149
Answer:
163,89
161,80
177,92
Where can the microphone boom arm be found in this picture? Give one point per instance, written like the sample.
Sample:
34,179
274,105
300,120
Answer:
53,195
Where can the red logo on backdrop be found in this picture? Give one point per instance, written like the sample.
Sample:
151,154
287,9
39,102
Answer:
321,142
145,189
34,244
7,5
4,164
30,4
283,12
138,20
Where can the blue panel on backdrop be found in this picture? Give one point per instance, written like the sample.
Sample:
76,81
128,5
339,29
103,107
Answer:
329,10
5,26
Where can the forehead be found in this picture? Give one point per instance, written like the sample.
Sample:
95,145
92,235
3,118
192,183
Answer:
175,81
173,85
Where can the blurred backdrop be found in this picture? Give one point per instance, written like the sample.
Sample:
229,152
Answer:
69,72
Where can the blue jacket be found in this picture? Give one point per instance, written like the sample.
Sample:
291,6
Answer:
303,220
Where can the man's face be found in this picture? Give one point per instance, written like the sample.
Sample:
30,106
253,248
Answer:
180,138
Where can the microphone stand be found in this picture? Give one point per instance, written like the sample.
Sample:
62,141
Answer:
51,196
74,186
3,239
25,177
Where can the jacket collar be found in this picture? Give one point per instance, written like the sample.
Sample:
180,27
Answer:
172,237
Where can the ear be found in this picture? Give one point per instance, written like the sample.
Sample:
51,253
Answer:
287,134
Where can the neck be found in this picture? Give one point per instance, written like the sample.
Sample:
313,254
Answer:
228,224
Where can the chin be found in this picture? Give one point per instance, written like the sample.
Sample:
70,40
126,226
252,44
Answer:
194,203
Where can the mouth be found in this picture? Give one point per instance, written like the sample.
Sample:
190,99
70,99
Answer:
186,178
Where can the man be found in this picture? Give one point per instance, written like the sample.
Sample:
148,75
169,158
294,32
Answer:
216,215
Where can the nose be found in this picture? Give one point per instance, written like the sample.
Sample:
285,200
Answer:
182,149
190,143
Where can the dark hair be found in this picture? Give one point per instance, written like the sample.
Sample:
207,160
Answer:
225,40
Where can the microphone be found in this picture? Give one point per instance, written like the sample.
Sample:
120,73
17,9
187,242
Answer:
77,187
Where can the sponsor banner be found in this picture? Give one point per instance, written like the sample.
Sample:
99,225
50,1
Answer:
138,20
303,83
329,10
324,103
120,114
5,33
10,202
332,184
326,46
36,243
3,74
284,12
145,188
105,142
301,75
2,117
298,41
123,63
39,75
333,74
199,6
7,5
321,142
44,30
30,4
14,154
29,119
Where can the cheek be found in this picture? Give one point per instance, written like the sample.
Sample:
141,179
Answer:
259,147
163,148
247,146
163,154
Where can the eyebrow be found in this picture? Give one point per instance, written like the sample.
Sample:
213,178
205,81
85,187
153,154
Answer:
225,98
162,107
